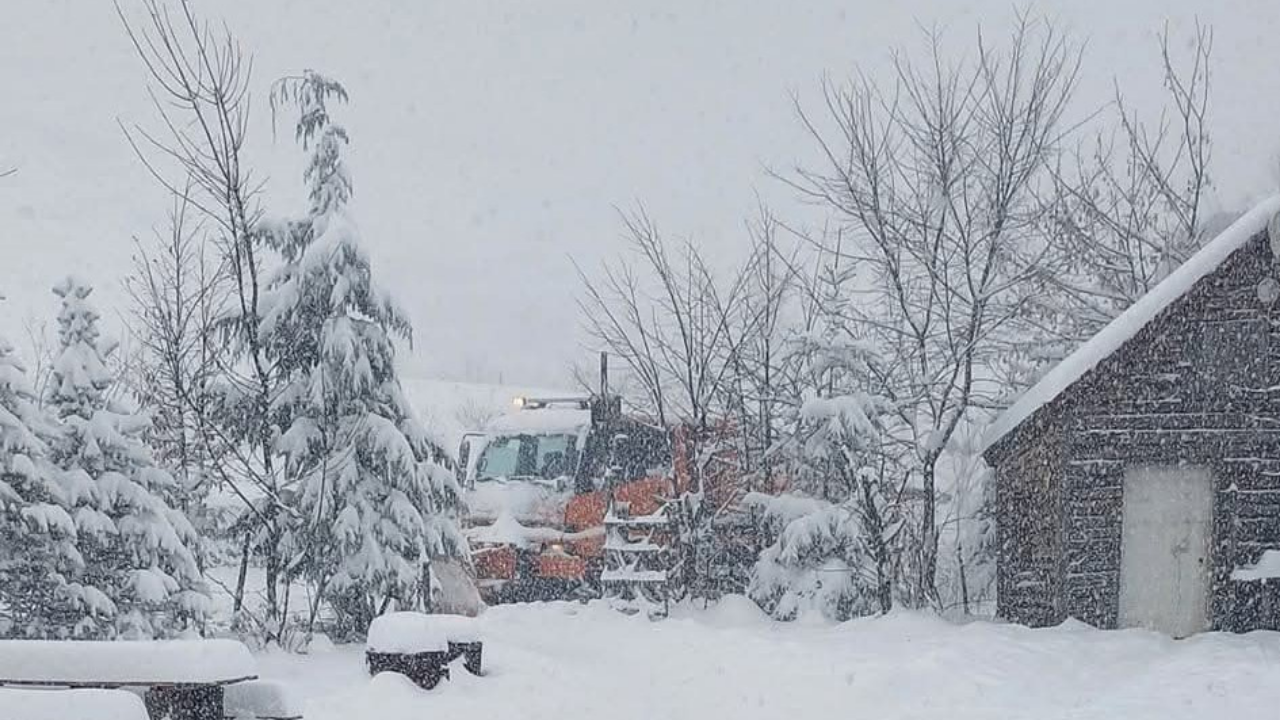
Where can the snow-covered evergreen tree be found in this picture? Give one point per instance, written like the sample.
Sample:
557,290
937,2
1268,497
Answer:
37,534
836,536
817,563
374,492
139,577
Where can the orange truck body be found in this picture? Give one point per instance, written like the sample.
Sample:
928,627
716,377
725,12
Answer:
572,558
564,550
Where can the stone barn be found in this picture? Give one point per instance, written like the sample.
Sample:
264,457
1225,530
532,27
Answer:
1138,483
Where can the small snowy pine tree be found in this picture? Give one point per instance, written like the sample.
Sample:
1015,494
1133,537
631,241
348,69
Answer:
817,563
374,491
37,534
139,577
836,547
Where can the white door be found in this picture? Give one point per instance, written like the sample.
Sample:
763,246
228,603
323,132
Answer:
1164,551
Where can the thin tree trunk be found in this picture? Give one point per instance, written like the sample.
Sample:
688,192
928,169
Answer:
879,548
238,601
929,536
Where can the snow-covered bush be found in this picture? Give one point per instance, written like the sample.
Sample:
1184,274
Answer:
838,541
818,563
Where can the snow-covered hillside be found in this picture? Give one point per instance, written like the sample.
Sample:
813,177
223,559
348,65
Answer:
570,662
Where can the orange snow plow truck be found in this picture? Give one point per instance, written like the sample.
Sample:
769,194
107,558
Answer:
537,493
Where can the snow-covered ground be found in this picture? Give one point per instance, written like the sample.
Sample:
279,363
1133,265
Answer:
569,661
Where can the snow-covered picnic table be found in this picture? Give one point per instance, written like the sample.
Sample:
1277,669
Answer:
420,646
182,677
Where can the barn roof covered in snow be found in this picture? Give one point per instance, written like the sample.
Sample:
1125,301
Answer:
1137,316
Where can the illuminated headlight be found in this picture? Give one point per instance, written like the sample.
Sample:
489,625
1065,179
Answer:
556,548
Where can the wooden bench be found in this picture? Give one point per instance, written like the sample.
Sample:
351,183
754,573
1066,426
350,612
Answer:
184,679
421,646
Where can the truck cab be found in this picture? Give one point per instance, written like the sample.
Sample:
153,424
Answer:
536,482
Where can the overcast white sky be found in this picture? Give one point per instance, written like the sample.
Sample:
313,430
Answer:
492,140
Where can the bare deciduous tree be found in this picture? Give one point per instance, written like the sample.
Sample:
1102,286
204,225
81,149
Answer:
669,319
1129,205
199,84
938,179
677,328
178,297
762,379
42,347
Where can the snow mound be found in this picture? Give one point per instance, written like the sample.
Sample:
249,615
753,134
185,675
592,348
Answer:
124,662
319,643
734,611
413,632
260,698
70,705
1128,323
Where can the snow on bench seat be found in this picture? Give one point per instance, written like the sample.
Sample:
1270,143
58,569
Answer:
93,663
414,632
259,700
27,704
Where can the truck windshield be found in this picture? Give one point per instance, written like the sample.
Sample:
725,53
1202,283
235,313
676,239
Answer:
542,457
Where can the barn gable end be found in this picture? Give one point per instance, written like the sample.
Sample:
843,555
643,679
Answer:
1198,385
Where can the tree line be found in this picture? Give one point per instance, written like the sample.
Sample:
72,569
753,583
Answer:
261,370
974,231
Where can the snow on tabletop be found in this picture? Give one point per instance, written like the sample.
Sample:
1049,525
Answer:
25,704
125,662
414,632
1267,568
1129,322
260,698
